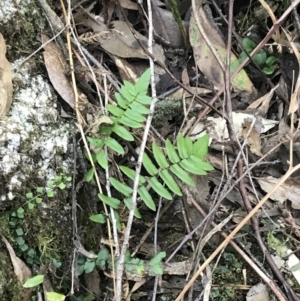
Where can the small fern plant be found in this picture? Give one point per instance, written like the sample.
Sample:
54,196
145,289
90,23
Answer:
169,164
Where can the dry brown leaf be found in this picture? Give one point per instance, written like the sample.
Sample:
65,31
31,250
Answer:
127,70
119,40
178,94
294,104
216,126
57,68
258,292
128,4
239,215
289,190
206,60
47,287
263,102
185,77
21,270
253,139
135,287
92,281
165,26
6,87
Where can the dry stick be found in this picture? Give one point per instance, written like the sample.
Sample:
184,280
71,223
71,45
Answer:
223,196
255,224
79,117
121,261
242,187
236,230
257,48
162,212
272,285
162,65
262,74
155,247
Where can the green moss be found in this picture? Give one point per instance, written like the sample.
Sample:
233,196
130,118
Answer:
10,287
23,29
276,244
48,235
166,110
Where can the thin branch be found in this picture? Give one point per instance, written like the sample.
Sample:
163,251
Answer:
241,66
236,230
120,266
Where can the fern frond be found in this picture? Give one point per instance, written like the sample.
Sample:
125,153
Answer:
150,167
114,145
159,156
199,162
168,165
139,108
96,142
182,174
90,174
142,83
182,150
130,173
130,87
146,197
128,202
130,122
190,167
188,145
170,182
102,159
200,148
171,152
122,132
159,188
124,189
115,110
110,201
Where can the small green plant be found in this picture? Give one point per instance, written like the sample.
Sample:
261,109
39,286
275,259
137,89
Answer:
261,58
168,164
87,265
17,232
226,295
39,279
37,197
228,271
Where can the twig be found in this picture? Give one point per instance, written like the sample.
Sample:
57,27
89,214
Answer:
236,230
78,114
165,209
155,247
120,266
270,282
278,91
257,48
242,187
222,197
203,33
